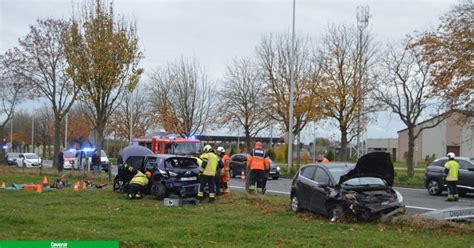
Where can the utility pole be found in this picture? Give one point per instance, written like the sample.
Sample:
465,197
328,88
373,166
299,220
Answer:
363,16
11,135
33,134
292,89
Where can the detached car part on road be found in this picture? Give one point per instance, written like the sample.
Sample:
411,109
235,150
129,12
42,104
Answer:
334,190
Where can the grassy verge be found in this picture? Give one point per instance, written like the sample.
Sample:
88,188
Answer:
236,220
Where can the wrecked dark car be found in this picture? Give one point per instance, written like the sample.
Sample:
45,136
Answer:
337,190
173,174
130,156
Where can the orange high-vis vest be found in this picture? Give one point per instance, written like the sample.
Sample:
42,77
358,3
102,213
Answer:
226,160
256,160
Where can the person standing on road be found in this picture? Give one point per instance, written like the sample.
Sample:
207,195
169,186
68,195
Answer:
60,162
452,171
95,161
208,173
224,172
257,163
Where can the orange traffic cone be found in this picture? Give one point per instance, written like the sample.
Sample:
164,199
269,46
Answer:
45,181
242,175
84,185
39,188
3,186
76,186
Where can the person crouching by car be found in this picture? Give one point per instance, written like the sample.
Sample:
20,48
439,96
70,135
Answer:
208,173
138,185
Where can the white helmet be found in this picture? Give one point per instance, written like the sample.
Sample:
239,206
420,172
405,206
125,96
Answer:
451,155
220,149
207,148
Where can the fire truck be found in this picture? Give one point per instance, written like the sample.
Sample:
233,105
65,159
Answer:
162,145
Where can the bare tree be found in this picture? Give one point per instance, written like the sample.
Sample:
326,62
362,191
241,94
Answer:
346,62
405,90
243,99
182,98
103,55
274,56
39,61
132,111
12,92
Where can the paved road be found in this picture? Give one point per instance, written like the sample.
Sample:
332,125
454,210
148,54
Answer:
416,200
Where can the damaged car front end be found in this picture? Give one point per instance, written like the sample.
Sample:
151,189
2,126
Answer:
363,191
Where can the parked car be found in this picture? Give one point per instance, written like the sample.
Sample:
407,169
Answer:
29,160
238,162
12,158
173,174
336,189
69,160
434,174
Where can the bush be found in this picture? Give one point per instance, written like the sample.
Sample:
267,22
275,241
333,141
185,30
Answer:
330,155
271,154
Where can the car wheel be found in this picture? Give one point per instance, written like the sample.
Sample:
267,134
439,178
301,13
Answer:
159,190
434,187
275,178
119,185
295,204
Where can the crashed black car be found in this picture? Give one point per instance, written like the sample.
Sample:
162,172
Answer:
173,174
363,191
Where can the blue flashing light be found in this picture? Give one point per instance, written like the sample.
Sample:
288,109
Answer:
88,149
5,147
72,150
192,137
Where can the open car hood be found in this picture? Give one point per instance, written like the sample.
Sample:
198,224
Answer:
375,164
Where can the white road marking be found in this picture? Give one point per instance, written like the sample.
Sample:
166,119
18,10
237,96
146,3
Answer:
421,208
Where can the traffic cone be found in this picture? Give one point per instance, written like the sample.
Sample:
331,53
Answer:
39,188
76,186
45,181
3,186
242,175
84,185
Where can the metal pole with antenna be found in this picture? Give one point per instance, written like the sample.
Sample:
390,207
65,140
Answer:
363,16
292,89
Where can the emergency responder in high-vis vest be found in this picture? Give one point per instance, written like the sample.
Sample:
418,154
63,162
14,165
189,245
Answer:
207,173
452,172
224,172
257,163
138,185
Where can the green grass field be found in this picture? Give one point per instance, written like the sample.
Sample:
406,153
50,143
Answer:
236,220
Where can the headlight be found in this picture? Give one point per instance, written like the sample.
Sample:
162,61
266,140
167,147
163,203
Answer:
278,168
399,196
173,174
162,172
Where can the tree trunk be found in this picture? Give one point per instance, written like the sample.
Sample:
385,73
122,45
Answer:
57,141
411,149
248,141
343,154
298,151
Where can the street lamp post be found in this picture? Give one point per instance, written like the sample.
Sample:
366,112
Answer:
292,89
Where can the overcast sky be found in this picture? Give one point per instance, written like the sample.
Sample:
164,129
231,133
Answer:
215,32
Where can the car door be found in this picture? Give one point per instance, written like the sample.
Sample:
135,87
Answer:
319,190
304,186
466,174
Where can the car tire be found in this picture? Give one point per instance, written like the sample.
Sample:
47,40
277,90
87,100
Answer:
119,185
295,204
434,187
275,178
158,190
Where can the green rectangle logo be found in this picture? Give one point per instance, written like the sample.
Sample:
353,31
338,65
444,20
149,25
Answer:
59,244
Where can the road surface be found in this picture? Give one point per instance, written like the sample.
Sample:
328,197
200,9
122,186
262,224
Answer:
416,200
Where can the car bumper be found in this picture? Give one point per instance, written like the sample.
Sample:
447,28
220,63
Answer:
183,189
